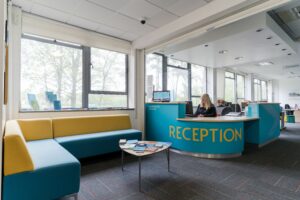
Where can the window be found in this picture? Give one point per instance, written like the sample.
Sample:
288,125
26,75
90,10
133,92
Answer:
108,72
229,87
240,88
60,75
264,92
198,74
177,63
178,83
260,90
154,70
50,72
185,81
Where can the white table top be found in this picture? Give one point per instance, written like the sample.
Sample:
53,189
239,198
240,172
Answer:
218,119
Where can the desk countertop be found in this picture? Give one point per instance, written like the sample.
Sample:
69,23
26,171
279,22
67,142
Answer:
218,119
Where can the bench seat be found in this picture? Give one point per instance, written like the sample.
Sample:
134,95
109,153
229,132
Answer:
93,144
56,174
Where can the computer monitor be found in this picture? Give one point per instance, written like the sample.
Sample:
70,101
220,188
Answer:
189,108
161,96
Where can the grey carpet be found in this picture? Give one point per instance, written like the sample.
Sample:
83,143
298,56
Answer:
272,172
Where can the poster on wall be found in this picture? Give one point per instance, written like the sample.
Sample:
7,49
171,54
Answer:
294,95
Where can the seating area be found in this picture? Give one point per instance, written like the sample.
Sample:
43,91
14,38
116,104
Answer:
47,151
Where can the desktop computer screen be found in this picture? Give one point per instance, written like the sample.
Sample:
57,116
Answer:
189,108
161,96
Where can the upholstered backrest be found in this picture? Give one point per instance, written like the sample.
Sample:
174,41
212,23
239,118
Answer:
16,155
36,129
93,124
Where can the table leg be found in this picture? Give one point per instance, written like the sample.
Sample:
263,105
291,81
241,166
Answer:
122,160
168,158
140,188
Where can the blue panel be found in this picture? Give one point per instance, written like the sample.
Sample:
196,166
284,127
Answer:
269,122
57,174
196,137
87,145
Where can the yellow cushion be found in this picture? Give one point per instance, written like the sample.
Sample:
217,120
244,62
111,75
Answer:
84,125
36,129
16,156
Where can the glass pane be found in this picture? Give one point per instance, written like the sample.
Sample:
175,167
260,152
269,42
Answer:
177,63
196,101
229,75
198,80
257,92
108,70
178,84
154,68
50,68
264,90
240,83
107,101
229,90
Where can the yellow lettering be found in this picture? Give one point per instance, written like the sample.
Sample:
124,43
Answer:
203,133
221,135
178,132
172,131
226,136
195,134
213,134
183,134
238,134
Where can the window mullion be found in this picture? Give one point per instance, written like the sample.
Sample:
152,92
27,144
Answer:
86,76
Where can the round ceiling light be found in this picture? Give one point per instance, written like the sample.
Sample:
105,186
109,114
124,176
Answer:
259,30
223,51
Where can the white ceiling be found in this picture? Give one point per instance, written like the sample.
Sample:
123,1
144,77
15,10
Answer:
119,18
241,39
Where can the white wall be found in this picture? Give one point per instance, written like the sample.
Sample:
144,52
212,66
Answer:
285,86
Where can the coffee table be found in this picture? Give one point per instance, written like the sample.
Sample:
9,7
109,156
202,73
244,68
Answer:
166,147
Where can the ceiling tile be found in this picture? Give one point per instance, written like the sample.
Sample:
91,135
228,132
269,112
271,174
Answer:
163,4
111,4
161,19
26,5
139,8
62,5
94,13
50,13
183,7
80,22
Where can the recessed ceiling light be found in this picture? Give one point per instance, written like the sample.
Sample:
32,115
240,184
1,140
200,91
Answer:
277,44
172,56
223,51
239,58
259,30
289,54
265,63
283,49
206,45
269,38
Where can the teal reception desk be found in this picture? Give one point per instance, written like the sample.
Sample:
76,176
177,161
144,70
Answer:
216,137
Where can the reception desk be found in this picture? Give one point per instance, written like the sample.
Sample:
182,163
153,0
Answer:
216,137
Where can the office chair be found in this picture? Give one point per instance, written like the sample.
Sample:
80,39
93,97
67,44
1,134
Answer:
226,110
288,112
236,107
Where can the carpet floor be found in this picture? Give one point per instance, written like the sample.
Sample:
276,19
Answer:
269,173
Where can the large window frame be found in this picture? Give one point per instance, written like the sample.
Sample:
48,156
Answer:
166,65
237,98
86,76
259,84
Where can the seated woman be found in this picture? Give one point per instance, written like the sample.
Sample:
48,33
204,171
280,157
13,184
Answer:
206,108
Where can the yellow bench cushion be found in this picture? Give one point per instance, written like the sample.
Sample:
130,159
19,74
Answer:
16,156
36,129
85,125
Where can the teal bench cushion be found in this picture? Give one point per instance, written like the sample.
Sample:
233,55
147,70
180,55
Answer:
93,144
56,174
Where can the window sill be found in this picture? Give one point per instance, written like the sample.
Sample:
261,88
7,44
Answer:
74,110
